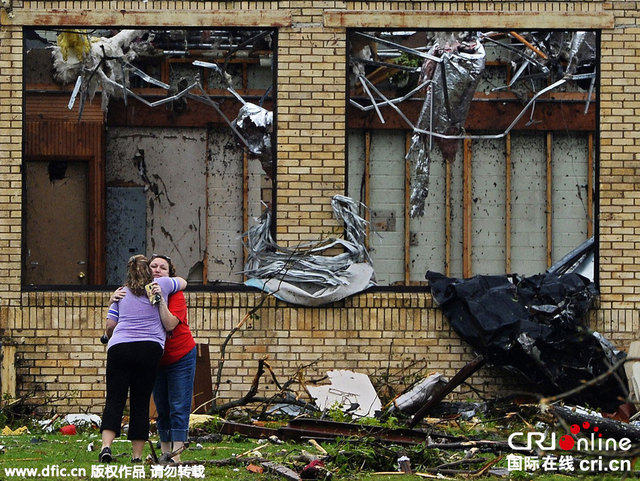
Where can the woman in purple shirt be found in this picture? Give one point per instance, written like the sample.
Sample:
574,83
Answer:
137,336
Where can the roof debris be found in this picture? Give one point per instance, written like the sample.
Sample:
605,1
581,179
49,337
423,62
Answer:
106,64
452,65
350,391
534,326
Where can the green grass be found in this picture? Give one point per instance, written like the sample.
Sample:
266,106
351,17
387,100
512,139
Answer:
353,461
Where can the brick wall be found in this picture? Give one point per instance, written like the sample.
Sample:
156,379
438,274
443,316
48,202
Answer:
56,333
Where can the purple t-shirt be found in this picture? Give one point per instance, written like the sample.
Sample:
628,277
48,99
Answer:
137,318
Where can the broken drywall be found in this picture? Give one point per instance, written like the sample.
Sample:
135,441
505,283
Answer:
171,165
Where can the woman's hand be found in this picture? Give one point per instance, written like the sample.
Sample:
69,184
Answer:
156,290
118,294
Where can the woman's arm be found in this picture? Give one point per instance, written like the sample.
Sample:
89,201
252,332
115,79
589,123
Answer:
169,321
111,325
118,294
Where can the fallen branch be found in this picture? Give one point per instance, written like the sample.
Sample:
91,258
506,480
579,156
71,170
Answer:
253,390
609,428
455,381
487,445
234,461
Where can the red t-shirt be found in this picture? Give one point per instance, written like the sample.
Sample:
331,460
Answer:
180,341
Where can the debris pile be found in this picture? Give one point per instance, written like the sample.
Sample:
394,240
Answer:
535,326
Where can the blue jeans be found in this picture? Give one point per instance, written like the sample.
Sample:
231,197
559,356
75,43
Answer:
172,396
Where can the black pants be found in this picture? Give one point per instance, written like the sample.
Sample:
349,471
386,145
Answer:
131,368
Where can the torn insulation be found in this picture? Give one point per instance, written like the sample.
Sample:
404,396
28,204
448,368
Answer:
304,274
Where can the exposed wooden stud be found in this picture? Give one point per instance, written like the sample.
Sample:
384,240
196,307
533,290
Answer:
407,209
507,214
245,75
205,260
590,215
367,183
245,200
549,206
447,219
467,207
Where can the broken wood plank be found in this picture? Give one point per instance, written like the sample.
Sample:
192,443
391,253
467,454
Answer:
455,381
467,208
549,197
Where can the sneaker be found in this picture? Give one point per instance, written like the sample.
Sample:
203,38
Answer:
105,455
136,460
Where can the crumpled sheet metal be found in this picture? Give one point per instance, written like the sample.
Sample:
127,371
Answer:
445,108
573,50
303,275
533,326
255,124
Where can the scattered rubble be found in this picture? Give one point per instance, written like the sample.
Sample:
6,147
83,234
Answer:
350,391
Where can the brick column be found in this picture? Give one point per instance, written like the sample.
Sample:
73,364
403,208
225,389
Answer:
311,122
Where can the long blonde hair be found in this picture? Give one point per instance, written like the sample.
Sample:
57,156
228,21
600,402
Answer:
138,274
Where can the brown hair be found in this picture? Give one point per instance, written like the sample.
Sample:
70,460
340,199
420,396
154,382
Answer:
172,268
138,274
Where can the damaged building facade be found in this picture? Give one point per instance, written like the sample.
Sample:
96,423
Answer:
392,138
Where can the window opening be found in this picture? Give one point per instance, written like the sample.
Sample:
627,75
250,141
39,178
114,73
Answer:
474,151
179,157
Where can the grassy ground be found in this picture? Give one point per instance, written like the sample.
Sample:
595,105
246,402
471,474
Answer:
63,457
53,456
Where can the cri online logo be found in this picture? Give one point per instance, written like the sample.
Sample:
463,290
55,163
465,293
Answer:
592,442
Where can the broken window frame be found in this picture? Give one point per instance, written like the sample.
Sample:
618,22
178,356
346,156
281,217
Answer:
95,275
390,109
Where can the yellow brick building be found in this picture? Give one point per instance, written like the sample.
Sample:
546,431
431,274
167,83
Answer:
50,337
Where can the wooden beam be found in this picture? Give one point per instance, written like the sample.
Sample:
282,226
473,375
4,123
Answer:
494,114
196,114
8,372
367,184
245,202
58,17
205,260
507,214
467,19
467,207
549,204
447,218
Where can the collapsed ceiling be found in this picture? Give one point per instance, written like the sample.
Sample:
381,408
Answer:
444,70
112,62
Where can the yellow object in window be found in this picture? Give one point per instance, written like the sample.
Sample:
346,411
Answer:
75,40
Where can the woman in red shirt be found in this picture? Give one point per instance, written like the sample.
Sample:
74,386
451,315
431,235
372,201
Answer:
173,387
